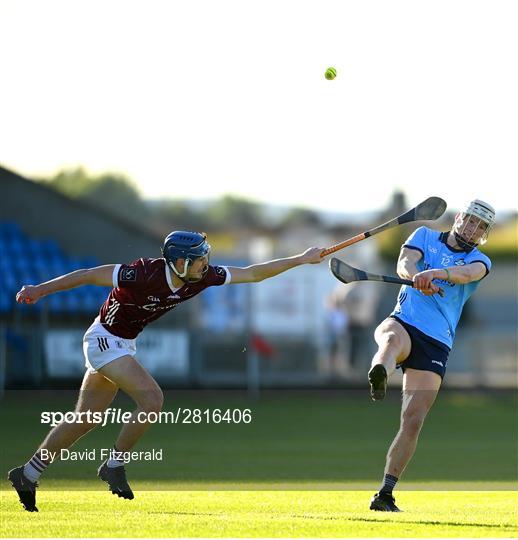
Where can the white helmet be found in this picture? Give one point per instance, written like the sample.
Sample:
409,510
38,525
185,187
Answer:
467,227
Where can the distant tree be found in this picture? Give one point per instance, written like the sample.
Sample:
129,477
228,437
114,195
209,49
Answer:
502,243
301,217
71,182
171,215
118,195
232,212
113,192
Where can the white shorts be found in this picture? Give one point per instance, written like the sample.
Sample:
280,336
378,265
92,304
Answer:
100,347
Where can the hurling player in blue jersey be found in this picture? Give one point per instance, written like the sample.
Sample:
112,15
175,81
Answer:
418,335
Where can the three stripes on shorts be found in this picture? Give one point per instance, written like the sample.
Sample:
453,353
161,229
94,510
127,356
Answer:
103,343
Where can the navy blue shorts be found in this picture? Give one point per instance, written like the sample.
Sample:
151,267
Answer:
427,353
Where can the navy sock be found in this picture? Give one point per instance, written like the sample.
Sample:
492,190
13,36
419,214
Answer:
389,483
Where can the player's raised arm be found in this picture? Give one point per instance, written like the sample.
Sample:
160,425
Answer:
407,269
407,262
100,275
258,272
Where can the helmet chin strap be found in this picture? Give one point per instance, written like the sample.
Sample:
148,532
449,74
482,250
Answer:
466,246
185,270
183,275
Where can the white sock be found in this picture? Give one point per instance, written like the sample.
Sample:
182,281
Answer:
112,462
34,467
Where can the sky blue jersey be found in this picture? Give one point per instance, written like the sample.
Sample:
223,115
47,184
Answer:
435,316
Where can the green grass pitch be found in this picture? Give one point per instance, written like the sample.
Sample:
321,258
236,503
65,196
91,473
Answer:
261,514
307,465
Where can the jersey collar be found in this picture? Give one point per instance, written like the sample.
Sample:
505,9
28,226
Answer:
443,237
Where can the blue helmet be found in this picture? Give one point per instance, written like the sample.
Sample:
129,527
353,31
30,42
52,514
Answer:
186,245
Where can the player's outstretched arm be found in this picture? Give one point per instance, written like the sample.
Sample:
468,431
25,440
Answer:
100,275
258,272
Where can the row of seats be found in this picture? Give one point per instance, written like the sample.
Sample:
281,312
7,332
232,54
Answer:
25,260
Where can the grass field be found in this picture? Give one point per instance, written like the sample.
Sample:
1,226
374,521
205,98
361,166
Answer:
261,514
307,465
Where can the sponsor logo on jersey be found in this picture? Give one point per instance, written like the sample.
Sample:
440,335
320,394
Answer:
437,362
129,274
156,307
460,262
433,249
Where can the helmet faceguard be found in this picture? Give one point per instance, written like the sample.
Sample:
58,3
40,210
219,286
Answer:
473,223
189,246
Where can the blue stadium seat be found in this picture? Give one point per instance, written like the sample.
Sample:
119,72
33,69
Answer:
33,247
15,246
56,302
71,265
21,265
26,260
87,262
29,309
73,302
57,268
51,247
6,302
9,229
9,279
4,245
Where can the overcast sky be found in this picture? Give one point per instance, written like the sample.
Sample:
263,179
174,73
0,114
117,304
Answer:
200,98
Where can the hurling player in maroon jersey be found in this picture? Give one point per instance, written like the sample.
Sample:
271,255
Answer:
142,292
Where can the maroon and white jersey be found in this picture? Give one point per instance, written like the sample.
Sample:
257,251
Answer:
143,291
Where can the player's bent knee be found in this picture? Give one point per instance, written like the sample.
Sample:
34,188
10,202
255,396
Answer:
90,426
153,401
391,339
412,422
84,427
